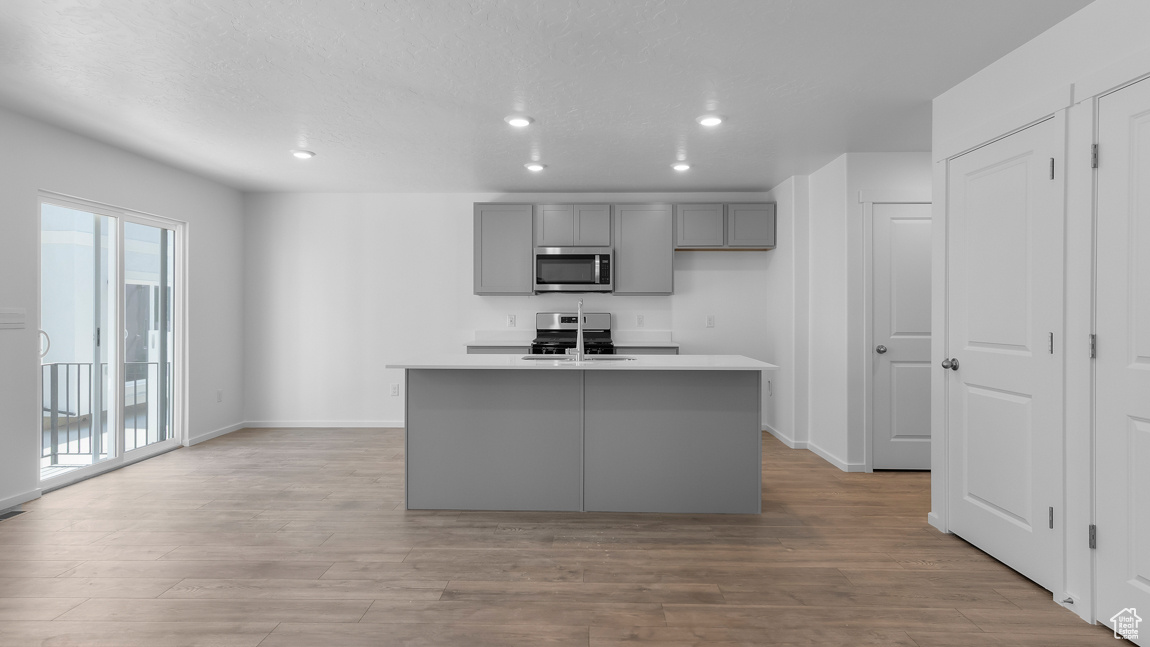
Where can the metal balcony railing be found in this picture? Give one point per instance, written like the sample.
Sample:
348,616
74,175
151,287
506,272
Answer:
69,426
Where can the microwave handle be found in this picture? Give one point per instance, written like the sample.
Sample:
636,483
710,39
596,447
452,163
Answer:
597,275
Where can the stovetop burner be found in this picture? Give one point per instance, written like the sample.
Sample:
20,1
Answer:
555,333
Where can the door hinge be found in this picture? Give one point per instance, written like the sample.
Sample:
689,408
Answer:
1093,346
1094,156
97,336
1093,536
1052,517
1052,168
1051,343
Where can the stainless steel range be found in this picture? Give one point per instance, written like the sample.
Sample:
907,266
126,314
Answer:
555,333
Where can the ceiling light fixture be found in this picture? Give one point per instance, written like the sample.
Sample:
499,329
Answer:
680,166
303,155
710,121
535,167
519,121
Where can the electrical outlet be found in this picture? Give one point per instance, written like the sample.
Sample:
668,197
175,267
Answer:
710,321
219,395
395,389
510,321
638,321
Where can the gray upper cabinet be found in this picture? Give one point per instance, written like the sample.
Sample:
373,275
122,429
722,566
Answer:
751,225
699,225
503,250
644,249
564,225
725,226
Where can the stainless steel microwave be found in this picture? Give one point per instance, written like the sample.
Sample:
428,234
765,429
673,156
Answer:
573,269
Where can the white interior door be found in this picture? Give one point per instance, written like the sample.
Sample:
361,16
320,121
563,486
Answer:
1006,223
901,366
1123,357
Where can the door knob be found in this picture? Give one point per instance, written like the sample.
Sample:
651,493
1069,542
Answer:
880,349
952,363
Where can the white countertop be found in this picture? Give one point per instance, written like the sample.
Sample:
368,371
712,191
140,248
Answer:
639,363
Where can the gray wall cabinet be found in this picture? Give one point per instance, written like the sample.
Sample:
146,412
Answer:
644,249
751,225
729,226
503,250
699,225
581,225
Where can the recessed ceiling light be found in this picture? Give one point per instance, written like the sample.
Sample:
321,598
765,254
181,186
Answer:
680,166
519,121
303,155
535,167
710,120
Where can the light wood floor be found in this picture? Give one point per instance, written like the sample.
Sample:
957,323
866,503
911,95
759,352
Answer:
283,538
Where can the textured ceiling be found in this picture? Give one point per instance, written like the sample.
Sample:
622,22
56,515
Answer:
410,95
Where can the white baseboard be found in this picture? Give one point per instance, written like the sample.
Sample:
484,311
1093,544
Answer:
13,501
195,440
323,424
785,439
835,460
933,519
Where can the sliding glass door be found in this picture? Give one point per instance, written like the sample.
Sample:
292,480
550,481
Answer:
148,290
108,292
77,280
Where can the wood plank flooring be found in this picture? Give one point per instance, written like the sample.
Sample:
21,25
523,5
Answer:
291,538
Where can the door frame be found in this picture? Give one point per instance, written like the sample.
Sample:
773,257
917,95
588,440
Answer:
939,516
180,394
866,354
1088,129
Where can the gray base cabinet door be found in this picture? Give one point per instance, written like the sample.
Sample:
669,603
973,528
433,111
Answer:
498,350
644,249
646,350
503,237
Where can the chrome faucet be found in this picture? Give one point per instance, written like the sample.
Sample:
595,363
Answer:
579,333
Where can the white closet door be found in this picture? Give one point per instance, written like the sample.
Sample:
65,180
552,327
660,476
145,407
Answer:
901,316
1123,356
1005,306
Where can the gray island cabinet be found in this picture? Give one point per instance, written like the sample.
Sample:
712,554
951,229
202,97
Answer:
657,433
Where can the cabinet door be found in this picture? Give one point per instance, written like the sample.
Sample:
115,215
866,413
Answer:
644,249
699,225
592,225
646,350
498,350
554,225
503,249
751,225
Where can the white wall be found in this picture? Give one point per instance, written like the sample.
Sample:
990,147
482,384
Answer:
785,326
1094,50
837,328
1100,34
828,316
39,157
340,284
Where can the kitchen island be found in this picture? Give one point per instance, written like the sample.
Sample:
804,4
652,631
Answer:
656,433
